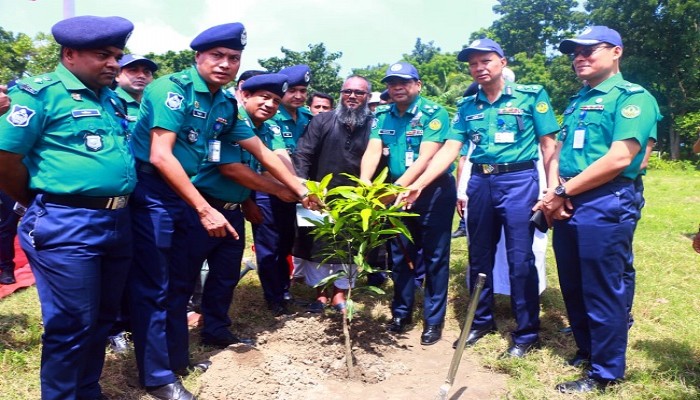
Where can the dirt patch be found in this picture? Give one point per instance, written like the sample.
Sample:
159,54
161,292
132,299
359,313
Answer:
302,357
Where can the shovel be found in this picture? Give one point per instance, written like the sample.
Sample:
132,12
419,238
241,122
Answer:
457,357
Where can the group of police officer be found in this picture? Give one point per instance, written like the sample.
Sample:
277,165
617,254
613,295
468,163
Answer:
122,204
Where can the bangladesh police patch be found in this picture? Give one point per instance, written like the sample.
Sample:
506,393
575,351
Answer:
20,116
435,124
93,142
374,123
174,101
542,107
275,130
631,111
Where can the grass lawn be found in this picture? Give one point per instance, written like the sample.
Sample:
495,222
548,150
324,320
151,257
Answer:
663,358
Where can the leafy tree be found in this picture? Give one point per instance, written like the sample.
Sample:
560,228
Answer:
15,53
46,55
374,74
324,69
172,61
423,52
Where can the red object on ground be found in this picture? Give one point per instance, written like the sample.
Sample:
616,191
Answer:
23,273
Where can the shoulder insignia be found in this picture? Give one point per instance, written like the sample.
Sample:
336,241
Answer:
435,124
542,107
174,100
20,116
631,111
632,88
374,122
464,100
181,80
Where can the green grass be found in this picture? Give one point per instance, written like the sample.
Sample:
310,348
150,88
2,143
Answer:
663,358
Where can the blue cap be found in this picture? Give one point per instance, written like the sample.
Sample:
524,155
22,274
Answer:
232,36
275,83
401,70
249,74
297,75
480,45
90,32
590,36
129,59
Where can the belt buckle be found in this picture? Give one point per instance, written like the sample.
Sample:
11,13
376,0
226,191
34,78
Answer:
117,202
230,206
489,169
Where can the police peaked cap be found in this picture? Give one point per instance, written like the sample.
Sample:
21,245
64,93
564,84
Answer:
401,70
480,45
275,83
129,59
297,75
90,32
590,36
232,36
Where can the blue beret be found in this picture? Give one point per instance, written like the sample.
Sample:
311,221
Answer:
482,46
232,36
401,70
275,83
590,36
90,32
129,59
297,75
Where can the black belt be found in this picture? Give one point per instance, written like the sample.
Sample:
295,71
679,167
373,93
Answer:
95,203
225,205
492,169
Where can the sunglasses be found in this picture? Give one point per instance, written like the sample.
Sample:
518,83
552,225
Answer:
588,51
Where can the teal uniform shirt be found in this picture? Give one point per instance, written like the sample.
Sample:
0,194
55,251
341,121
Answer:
290,131
508,130
267,132
402,136
132,107
181,103
614,110
210,181
73,141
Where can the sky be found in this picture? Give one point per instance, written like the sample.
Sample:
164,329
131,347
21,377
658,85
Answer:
367,32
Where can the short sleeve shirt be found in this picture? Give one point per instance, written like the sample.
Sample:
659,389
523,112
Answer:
182,103
74,142
402,136
507,130
289,130
596,117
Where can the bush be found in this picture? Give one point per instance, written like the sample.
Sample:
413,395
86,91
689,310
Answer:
658,163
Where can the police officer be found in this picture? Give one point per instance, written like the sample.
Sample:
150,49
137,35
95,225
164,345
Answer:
182,119
606,126
227,186
135,74
410,132
506,122
274,237
65,154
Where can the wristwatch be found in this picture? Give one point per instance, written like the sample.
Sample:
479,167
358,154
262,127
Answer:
561,191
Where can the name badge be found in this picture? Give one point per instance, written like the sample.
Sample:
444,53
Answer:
504,137
409,158
85,113
474,117
579,136
387,132
594,107
510,111
287,134
414,132
199,113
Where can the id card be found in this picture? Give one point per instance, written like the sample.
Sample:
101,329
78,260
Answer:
504,137
214,151
409,158
579,136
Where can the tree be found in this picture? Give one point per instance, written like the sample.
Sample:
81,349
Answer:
663,56
324,69
15,53
172,61
45,56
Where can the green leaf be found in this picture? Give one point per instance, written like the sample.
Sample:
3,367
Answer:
366,213
350,308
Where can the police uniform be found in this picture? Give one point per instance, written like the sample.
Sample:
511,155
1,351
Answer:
401,138
274,237
502,189
594,246
132,106
161,282
8,231
77,229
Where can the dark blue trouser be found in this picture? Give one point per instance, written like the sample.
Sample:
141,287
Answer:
160,283
274,239
592,249
431,231
505,200
224,258
80,258
8,231
630,275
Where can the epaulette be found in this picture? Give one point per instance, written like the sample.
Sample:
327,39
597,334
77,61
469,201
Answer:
36,84
630,87
181,80
430,108
382,108
528,88
464,100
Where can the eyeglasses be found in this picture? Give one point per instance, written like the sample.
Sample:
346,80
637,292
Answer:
588,51
358,93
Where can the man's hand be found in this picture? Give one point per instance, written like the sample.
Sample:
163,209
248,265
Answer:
252,212
554,207
215,223
407,198
461,206
286,195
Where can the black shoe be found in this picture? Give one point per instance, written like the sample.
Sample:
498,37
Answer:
431,334
580,360
518,350
171,391
475,335
7,277
225,340
279,309
399,324
459,233
583,385
200,367
316,307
